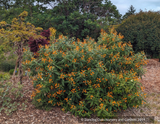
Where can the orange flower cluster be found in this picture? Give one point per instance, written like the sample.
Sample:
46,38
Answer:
50,81
71,74
73,91
66,65
100,64
60,36
119,44
54,52
73,42
109,94
135,106
24,50
66,99
142,88
39,75
72,106
51,87
89,48
110,88
82,57
111,55
83,72
120,36
96,85
120,76
54,95
118,103
50,101
84,91
82,51
77,48
92,73
101,105
114,46
56,85
91,96
62,76
126,79
89,82
89,59
78,40
40,46
45,54
117,83
33,94
63,54
125,99
50,60
136,94
59,91
71,79
98,80
81,103
49,95
39,86
143,102
38,100
113,103
74,60
59,103
44,59
103,55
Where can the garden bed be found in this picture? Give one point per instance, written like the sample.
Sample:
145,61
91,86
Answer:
150,80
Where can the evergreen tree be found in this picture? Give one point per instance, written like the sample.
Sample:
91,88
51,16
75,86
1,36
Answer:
79,18
142,31
131,11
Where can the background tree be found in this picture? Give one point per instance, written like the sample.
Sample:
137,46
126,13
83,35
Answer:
63,15
143,30
6,4
17,34
79,18
131,11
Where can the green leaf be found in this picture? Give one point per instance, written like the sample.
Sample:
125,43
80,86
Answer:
99,112
58,67
91,104
56,72
69,86
109,108
62,82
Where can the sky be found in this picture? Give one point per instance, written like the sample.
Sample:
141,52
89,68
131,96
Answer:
124,5
145,5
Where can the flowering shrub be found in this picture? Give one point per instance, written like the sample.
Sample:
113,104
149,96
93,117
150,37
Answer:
87,77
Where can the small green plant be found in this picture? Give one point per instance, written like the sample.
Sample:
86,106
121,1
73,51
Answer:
8,95
6,66
4,76
11,71
87,77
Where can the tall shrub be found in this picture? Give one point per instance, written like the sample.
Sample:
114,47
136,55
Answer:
87,77
143,30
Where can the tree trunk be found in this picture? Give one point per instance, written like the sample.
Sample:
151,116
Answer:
20,63
13,76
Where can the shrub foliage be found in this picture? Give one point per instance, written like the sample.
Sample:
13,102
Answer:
87,77
143,30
